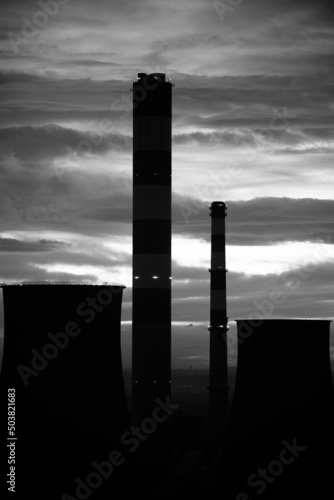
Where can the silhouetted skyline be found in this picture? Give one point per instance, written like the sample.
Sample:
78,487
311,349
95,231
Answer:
252,126
53,162
252,114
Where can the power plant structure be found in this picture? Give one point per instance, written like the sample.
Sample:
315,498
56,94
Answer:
218,374
62,368
151,316
71,431
280,435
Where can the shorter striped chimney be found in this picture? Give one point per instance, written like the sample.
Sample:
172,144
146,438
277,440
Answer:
218,381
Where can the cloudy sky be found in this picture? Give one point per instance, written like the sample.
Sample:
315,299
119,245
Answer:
253,108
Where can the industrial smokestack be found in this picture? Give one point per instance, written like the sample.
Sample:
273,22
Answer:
218,388
151,317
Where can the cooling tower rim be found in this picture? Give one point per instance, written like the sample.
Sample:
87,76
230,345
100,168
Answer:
59,283
267,320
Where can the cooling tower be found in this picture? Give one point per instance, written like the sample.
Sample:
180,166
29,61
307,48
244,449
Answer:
62,357
218,380
151,317
280,436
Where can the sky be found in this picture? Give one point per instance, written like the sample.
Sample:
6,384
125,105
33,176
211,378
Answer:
253,108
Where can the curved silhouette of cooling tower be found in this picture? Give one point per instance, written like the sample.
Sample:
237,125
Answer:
62,356
280,436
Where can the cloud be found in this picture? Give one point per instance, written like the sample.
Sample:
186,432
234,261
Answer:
302,292
18,77
234,138
25,257
260,221
89,62
280,219
12,245
285,141
241,101
52,141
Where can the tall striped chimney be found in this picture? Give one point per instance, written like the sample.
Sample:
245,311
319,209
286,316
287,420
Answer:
151,317
218,385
